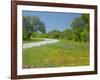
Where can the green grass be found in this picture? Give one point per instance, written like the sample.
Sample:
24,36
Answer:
63,53
33,40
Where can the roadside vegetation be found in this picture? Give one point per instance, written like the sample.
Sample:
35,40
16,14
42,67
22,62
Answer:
71,50
79,31
63,53
33,40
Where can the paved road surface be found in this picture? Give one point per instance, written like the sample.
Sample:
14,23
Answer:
46,41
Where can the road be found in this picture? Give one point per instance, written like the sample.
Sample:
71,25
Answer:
44,42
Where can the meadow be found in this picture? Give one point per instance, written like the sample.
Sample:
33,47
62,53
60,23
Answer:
72,48
61,54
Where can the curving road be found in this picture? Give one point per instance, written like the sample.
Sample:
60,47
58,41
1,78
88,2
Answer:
46,41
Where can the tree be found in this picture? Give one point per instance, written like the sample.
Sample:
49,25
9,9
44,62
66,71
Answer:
32,24
27,27
37,24
54,34
80,28
86,19
66,34
77,27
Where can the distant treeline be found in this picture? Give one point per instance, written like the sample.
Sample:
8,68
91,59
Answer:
79,29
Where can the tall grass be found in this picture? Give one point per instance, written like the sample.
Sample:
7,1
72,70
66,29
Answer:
63,53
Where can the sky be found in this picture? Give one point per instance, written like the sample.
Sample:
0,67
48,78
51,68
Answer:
54,20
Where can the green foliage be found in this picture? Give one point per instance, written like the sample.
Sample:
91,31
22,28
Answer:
66,34
30,25
80,28
79,31
27,28
39,35
38,25
54,34
33,40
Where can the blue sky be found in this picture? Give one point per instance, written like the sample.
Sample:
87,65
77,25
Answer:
54,20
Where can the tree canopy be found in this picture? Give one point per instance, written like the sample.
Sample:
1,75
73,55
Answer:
80,28
54,34
78,31
32,24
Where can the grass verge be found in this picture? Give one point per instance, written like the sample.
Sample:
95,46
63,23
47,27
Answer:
63,53
33,40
